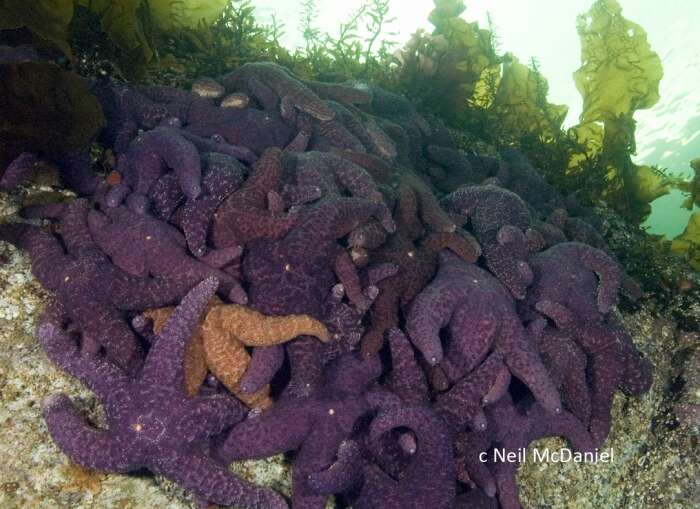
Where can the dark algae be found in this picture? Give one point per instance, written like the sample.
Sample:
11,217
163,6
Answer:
350,274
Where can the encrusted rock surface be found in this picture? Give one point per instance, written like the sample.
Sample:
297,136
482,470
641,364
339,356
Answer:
656,459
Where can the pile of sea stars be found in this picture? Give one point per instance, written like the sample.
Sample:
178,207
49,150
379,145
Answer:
287,266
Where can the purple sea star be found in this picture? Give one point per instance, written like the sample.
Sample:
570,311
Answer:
151,423
500,220
481,315
92,289
292,93
314,425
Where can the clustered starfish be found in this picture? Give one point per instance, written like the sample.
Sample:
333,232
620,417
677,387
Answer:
218,344
384,335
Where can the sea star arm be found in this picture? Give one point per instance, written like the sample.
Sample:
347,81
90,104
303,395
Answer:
225,356
460,242
82,443
384,314
431,311
469,448
462,404
473,329
347,274
525,363
342,473
609,274
47,256
216,484
264,363
406,379
253,328
209,416
432,466
19,170
164,364
370,235
100,376
304,354
281,428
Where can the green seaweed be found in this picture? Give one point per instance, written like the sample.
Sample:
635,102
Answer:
454,67
132,26
619,75
687,244
521,106
47,19
233,39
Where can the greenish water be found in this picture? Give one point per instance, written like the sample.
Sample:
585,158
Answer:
668,135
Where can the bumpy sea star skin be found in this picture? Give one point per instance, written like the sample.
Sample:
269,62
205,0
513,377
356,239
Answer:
380,143
411,188
334,174
407,379
247,127
294,274
314,425
579,230
165,196
329,135
265,361
244,216
222,176
500,220
127,110
352,121
344,323
429,478
321,201
369,236
292,93
417,264
576,229
217,143
92,289
18,171
305,367
578,276
613,362
566,363
406,155
488,319
220,340
154,153
462,404
342,474
141,245
151,422
194,361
